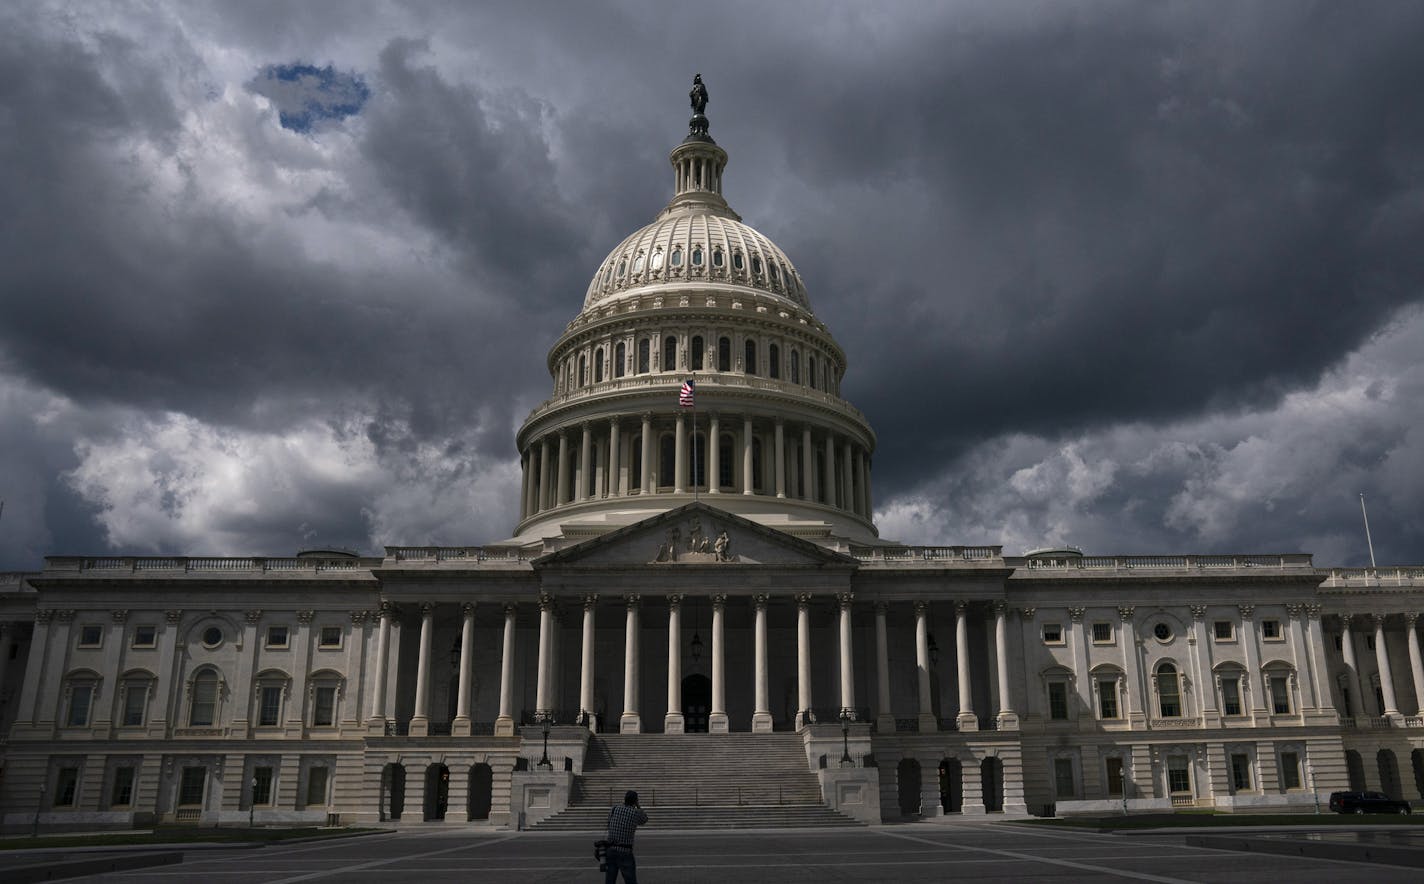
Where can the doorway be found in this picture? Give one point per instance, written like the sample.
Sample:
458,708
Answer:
951,785
907,776
992,772
481,791
437,791
696,703
393,791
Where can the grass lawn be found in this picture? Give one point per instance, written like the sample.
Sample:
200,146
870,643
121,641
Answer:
1195,819
177,835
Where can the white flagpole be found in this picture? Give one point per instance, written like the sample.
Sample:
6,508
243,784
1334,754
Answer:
696,494
1368,542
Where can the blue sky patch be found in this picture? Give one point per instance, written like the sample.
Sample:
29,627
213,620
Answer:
307,96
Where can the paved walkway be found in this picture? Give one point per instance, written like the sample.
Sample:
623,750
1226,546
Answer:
914,852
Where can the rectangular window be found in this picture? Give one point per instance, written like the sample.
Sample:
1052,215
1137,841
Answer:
190,787
205,701
145,636
65,785
276,636
1290,770
324,706
1230,696
1280,695
122,793
330,637
1271,630
1115,777
1107,698
135,704
1063,778
1223,630
91,635
316,786
269,712
261,786
1053,633
1240,772
1058,701
1102,633
79,697
1370,642
1179,776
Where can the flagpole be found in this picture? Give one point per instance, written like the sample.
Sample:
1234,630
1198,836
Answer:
1368,542
695,493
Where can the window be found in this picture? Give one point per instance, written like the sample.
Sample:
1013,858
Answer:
751,357
669,353
717,258
638,263
1107,698
91,635
756,465
697,256
66,783
324,706
212,637
330,637
635,464
1370,641
1240,772
1102,633
1169,692
81,696
667,460
1114,766
756,265
145,636
135,703
773,361
622,266
771,271
724,462
269,706
1179,775
697,353
1230,695
795,367
1058,701
675,259
1223,630
724,354
1290,770
1271,630
261,786
190,787
1162,632
598,366
643,357
121,795
620,354
583,370
1053,633
1280,693
203,702
811,372
656,261
737,263
276,636
1063,778
316,786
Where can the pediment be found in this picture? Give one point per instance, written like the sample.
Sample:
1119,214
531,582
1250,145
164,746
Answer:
696,534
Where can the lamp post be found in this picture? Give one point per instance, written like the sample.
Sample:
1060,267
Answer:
846,715
39,807
252,803
546,720
1310,774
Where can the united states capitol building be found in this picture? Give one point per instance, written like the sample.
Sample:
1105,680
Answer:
698,579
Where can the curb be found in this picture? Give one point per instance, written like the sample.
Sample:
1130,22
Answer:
94,866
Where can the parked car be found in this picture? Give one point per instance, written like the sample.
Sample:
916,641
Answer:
1366,802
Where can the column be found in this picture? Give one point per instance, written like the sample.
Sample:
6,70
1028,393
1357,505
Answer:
928,723
761,715
1416,663
847,485
586,662
649,483
847,663
673,721
383,643
829,477
808,466
747,487
504,725
1133,698
1008,719
561,493
585,473
869,498
546,640
631,722
1300,657
1257,689
420,721
526,484
460,727
717,720
803,658
1352,669
1391,707
714,455
546,497
858,501
613,476
780,459
679,461
966,719
885,716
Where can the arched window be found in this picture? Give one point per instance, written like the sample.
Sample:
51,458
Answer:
620,356
737,262
756,266
643,356
697,353
1169,691
773,361
81,689
598,366
751,354
697,256
656,262
669,353
583,370
771,271
675,259
638,263
795,367
622,266
203,699
1278,687
724,354
811,372
717,257
667,459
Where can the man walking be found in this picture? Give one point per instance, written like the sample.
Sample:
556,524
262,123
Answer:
623,823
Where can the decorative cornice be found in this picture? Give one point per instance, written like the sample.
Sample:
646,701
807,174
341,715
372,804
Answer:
120,616
305,617
253,615
1076,614
173,615
1126,613
1198,612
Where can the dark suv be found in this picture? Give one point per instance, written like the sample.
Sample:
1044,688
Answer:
1366,802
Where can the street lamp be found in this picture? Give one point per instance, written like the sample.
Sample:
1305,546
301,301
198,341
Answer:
38,808
847,714
1310,774
252,803
545,720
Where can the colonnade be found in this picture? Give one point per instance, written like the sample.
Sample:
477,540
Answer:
599,459
1372,625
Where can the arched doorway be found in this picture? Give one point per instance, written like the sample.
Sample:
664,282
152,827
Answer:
696,703
481,792
1355,765
437,791
907,778
951,785
392,791
1416,760
991,772
1389,774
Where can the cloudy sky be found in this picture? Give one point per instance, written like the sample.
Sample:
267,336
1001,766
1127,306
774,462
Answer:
1139,277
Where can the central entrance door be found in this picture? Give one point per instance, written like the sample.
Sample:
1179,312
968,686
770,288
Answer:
696,703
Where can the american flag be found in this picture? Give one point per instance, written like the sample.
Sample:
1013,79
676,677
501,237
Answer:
684,396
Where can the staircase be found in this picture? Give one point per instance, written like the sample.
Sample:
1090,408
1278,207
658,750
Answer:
698,781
